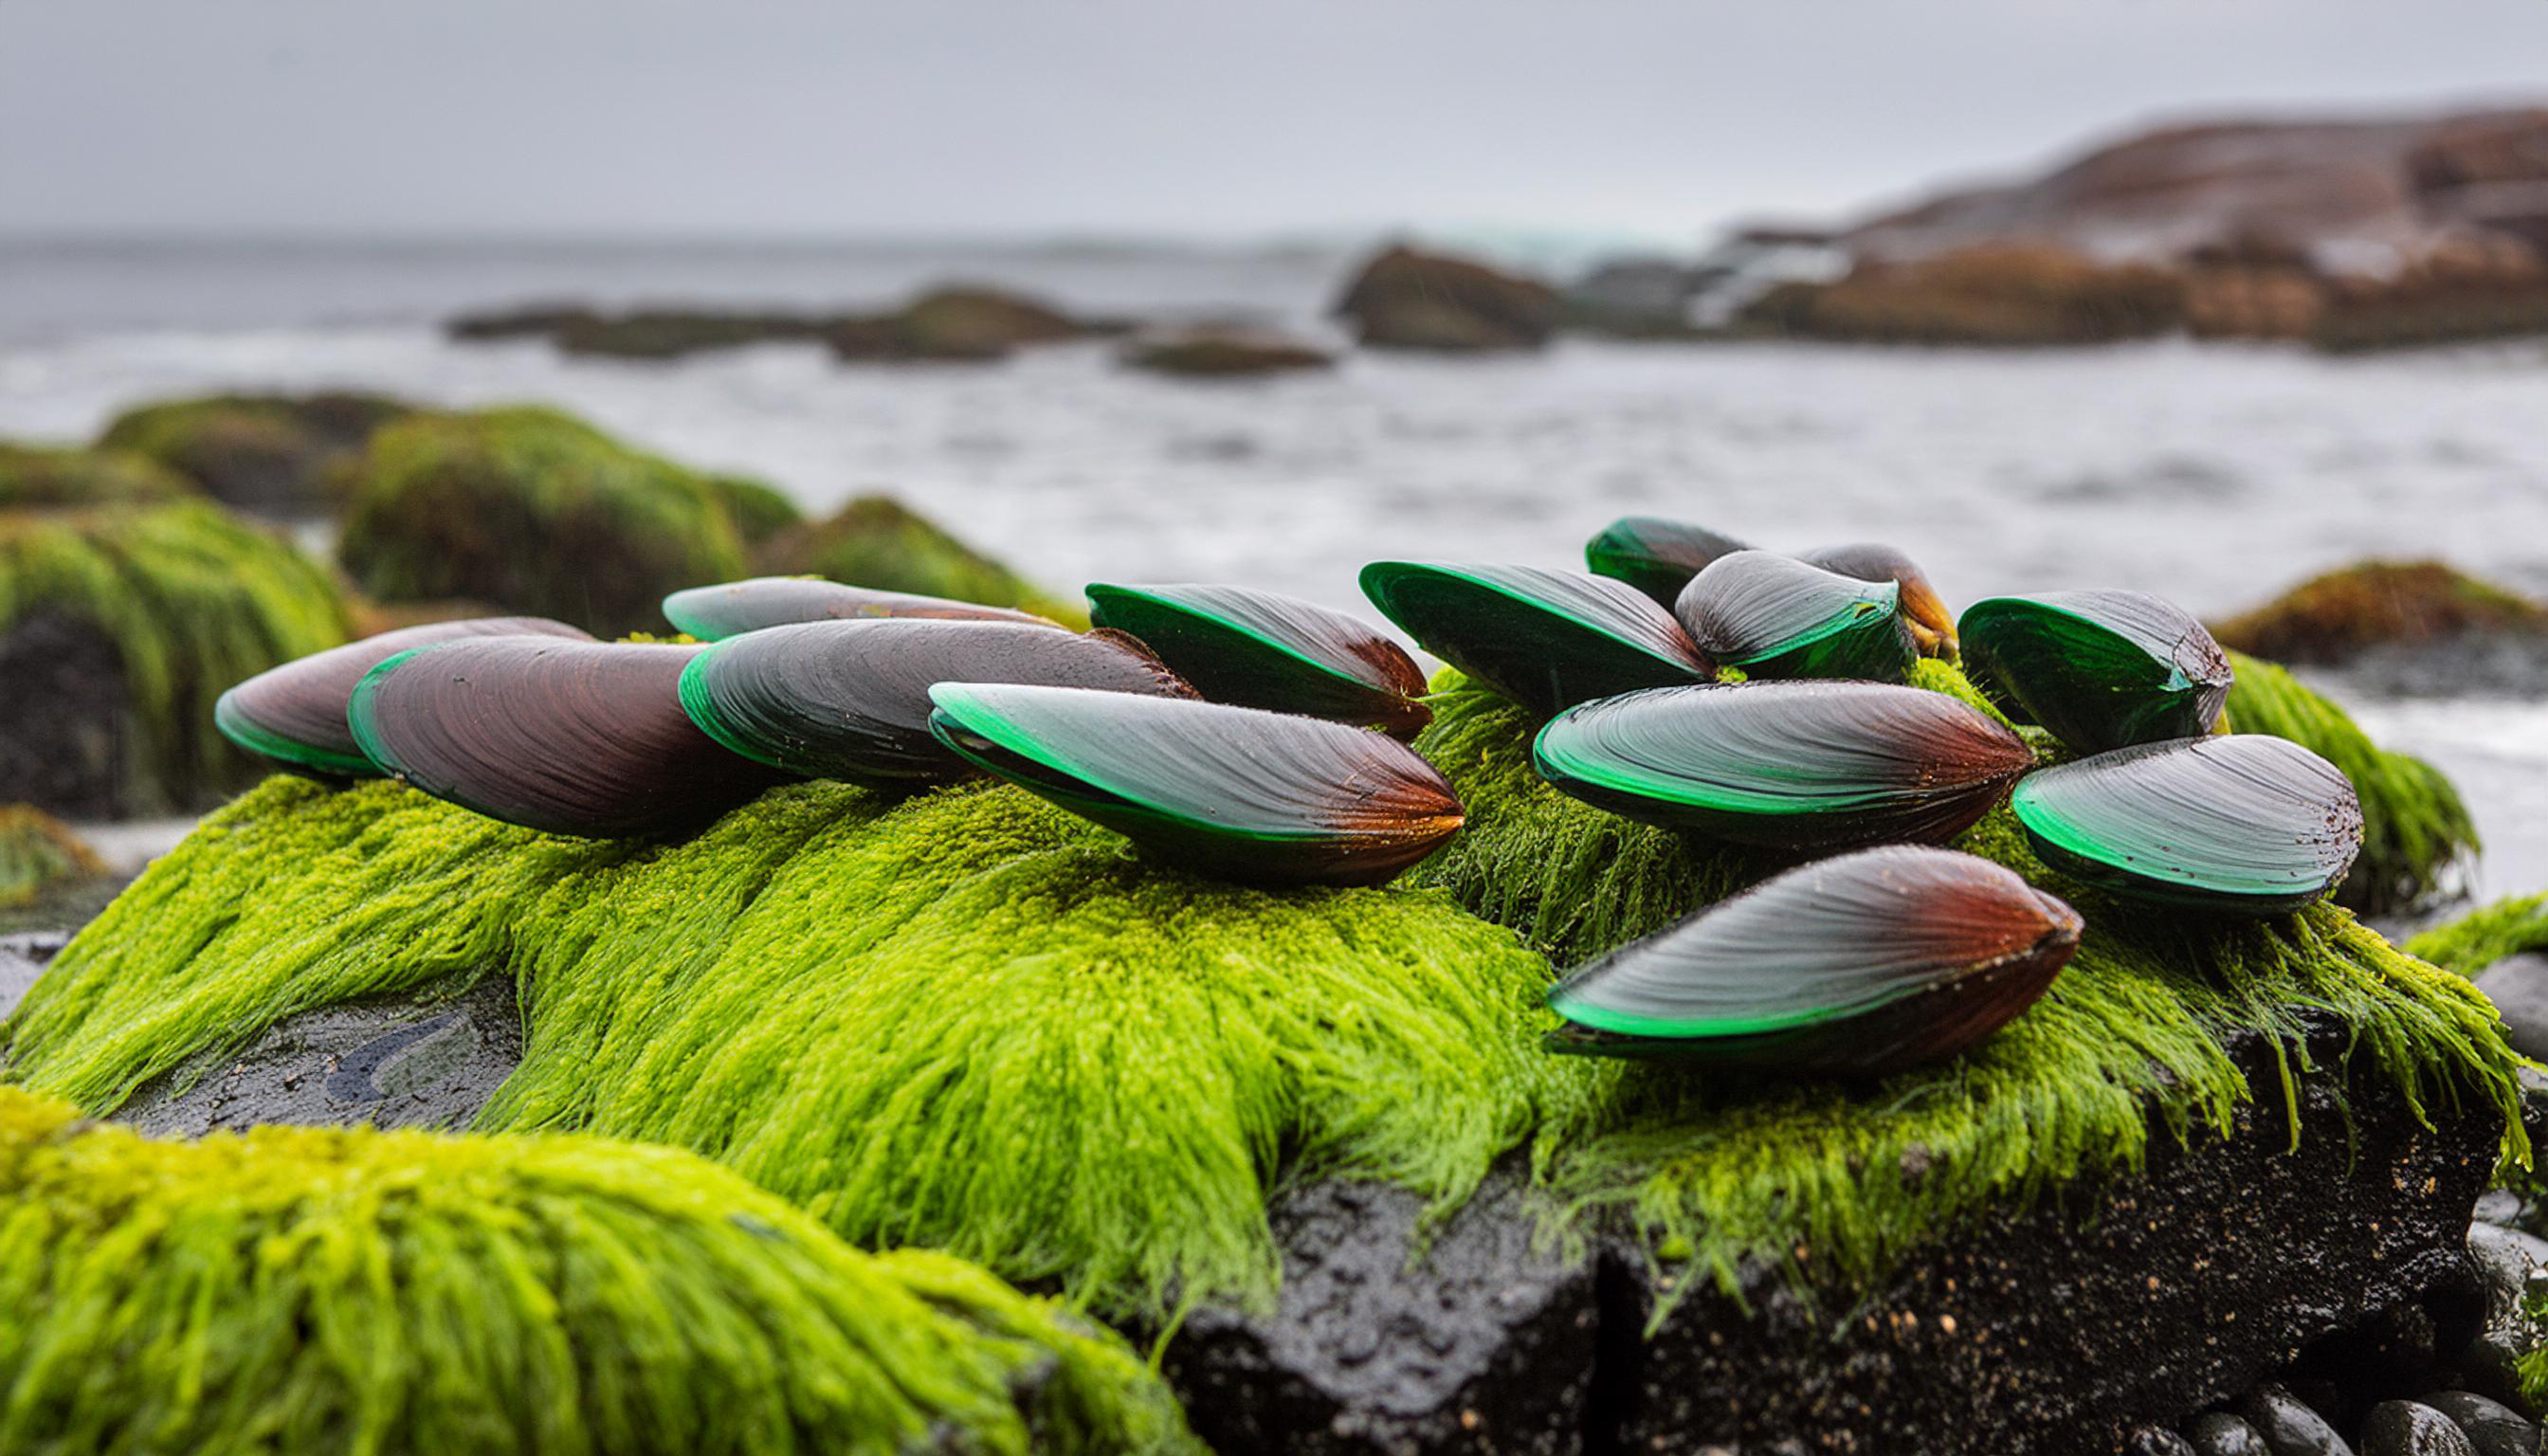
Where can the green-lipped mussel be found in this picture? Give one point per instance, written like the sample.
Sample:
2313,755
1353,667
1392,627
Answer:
728,608
1860,966
575,737
1924,612
2243,823
1238,793
1654,555
1545,639
1774,616
2100,669
851,699
1261,650
294,713
1789,765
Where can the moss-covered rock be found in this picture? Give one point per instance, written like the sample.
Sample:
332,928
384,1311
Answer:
34,477
878,541
2001,294
119,627
2416,833
277,455
39,854
958,324
2336,617
1223,353
758,512
1408,300
535,511
2487,935
309,1290
674,333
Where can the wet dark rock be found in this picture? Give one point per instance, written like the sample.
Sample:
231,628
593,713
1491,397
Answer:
2503,1262
1637,297
423,1058
676,333
1223,353
2501,1206
2492,1428
67,731
1488,1344
23,957
2154,1440
525,321
2406,1429
2288,1427
1406,300
2223,1434
2518,987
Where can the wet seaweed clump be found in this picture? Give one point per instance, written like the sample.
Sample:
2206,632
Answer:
119,627
2330,619
878,541
533,511
273,455
39,477
323,1290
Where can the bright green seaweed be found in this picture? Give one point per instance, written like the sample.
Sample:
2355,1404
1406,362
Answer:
971,1022
385,1293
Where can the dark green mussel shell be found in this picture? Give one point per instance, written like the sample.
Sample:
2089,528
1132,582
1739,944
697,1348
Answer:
1238,793
1856,966
294,713
1261,650
1774,616
1655,554
1924,612
2100,669
851,699
1788,765
711,613
1547,640
586,739
2243,823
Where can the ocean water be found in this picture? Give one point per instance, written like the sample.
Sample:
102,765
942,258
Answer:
2213,474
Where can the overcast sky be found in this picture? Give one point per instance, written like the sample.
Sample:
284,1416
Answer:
1202,117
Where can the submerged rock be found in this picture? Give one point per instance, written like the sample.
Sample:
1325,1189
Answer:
1408,300
2333,618
1223,353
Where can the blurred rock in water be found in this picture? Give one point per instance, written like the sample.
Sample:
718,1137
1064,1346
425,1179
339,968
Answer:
1223,352
2336,616
271,455
1406,300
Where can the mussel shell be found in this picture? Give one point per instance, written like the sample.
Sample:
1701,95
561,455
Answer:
1261,650
1545,639
1788,765
1774,616
1924,612
1240,793
851,699
2242,822
575,737
294,713
1860,966
711,613
1654,555
2100,669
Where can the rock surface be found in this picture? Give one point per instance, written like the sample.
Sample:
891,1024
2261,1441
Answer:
2288,1427
67,729
2410,1428
2517,985
23,957
2492,1428
1223,353
427,1058
2413,605
1408,300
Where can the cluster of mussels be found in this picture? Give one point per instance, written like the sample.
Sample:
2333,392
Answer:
1263,739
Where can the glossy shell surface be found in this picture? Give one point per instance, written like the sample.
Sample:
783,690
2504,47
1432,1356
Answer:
1656,555
1774,616
1546,639
1924,612
711,613
1262,650
2100,669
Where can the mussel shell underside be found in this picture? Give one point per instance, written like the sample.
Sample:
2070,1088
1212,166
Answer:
2100,669
2245,822
1787,765
294,713
1655,554
1272,802
730,608
1548,640
850,700
1259,650
1777,617
580,739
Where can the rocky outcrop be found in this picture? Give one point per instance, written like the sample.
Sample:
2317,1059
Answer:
2337,616
958,323
1223,353
959,326
1408,300
2006,294
271,455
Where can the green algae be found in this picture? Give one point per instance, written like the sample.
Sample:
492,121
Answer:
2485,935
308,1290
37,475
2415,831
536,513
280,454
1837,1181
878,541
966,1020
193,600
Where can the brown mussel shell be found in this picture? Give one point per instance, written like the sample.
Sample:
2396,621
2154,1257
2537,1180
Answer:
294,713
851,699
1262,650
1856,966
712,614
1924,612
1802,766
1258,798
586,739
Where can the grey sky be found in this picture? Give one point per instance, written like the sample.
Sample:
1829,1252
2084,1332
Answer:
1181,116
